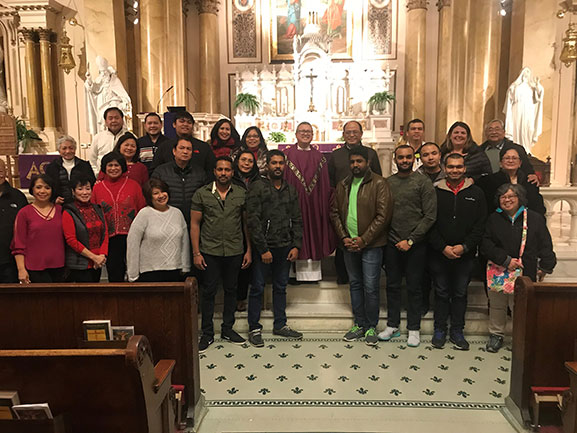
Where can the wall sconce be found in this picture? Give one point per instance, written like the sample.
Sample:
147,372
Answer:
66,56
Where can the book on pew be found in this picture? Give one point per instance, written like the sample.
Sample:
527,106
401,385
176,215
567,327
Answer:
7,400
32,411
97,330
122,333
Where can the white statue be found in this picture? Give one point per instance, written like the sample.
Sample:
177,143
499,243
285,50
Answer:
524,110
105,92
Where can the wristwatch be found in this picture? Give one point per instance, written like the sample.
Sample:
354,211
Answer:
410,242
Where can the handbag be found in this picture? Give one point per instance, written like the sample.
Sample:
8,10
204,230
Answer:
501,279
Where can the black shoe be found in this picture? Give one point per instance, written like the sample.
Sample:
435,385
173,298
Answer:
293,281
287,332
232,336
204,342
439,339
494,344
342,280
255,338
458,339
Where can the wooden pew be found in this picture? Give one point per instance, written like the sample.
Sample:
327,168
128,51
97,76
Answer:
95,390
570,400
544,332
50,316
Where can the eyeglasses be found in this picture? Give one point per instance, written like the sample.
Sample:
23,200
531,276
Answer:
495,129
508,197
511,158
351,132
305,132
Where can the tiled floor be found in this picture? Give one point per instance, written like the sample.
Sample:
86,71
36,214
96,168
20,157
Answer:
334,377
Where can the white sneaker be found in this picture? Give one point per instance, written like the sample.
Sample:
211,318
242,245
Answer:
389,333
414,339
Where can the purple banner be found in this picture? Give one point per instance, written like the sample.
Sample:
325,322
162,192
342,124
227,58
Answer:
31,165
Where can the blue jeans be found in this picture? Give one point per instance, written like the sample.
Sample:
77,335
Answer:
279,267
409,264
451,280
364,269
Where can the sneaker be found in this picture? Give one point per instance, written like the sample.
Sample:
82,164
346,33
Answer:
494,344
389,333
371,338
355,333
232,336
255,338
439,339
287,332
458,339
204,342
414,339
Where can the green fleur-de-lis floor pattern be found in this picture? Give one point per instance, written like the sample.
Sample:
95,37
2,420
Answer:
327,370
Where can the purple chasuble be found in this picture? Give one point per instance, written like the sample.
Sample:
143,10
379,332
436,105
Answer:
308,172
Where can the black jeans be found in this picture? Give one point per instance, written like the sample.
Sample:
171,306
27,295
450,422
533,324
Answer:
8,273
409,264
244,280
84,276
451,279
116,261
52,275
219,269
172,276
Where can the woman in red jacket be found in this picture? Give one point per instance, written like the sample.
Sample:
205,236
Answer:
120,198
85,233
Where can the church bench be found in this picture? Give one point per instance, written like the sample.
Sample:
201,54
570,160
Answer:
544,334
95,390
50,316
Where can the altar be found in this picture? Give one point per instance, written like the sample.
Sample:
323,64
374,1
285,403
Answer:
317,90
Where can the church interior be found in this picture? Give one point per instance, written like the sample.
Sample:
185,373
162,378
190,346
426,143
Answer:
274,64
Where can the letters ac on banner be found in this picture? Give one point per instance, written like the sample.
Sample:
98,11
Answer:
32,165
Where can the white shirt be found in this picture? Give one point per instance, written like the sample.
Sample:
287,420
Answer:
103,143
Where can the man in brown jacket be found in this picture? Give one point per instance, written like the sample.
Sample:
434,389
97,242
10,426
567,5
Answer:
361,213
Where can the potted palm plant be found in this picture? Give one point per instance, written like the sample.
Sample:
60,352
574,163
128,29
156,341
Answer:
248,102
378,102
26,137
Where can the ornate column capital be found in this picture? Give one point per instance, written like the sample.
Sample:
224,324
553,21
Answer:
207,6
28,34
443,3
44,34
416,4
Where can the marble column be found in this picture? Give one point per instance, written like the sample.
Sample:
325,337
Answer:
209,56
483,65
459,22
32,88
414,104
46,78
443,67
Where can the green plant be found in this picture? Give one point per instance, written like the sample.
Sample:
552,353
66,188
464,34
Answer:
277,137
25,135
248,101
380,100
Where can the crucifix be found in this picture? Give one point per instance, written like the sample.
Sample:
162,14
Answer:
311,77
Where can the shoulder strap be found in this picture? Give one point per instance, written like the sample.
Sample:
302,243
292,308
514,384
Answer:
524,235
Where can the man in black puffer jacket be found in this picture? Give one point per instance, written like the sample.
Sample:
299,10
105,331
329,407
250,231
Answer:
461,214
182,176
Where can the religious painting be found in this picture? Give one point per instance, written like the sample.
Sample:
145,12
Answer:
244,31
380,29
333,18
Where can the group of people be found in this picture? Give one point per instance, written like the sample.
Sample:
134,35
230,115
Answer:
230,211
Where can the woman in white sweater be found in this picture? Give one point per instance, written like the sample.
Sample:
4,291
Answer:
158,244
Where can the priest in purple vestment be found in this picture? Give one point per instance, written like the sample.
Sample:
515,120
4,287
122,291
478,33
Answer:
307,171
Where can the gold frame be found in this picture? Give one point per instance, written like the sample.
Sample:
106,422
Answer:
256,6
369,54
275,56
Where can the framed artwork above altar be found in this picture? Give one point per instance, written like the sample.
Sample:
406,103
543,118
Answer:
244,44
290,17
380,29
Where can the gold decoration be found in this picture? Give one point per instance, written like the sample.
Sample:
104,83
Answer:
66,61
416,4
569,51
207,6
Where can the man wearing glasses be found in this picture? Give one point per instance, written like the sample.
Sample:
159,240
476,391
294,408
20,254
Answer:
307,170
339,169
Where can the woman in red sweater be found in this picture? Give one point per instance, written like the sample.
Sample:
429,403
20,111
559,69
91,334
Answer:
120,198
127,147
85,232
38,243
224,138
